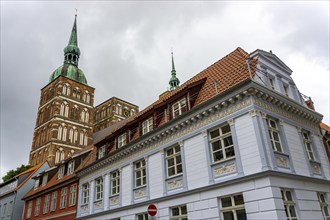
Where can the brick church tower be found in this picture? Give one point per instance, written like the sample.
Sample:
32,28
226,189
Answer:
65,115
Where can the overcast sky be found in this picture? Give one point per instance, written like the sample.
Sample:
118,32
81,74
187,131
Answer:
126,50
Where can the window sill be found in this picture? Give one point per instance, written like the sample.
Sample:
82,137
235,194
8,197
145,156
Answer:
227,160
174,176
99,200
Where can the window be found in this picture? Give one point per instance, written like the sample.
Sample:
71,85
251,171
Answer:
73,195
98,189
64,193
57,156
179,213
46,203
115,182
221,143
288,204
53,202
10,208
274,135
36,184
61,172
286,90
173,161
29,209
71,167
85,194
179,107
324,205
101,152
37,208
271,83
147,125
4,210
232,207
140,173
308,145
142,216
44,179
121,140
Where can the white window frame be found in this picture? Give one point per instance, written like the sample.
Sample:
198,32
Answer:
46,204
101,152
44,179
274,132
61,172
98,189
70,167
37,207
29,209
122,140
178,107
85,194
142,216
147,125
308,145
53,201
174,156
140,173
73,195
221,144
322,197
36,183
64,193
235,208
115,182
179,212
288,204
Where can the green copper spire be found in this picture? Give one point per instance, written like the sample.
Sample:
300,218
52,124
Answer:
72,52
71,56
174,81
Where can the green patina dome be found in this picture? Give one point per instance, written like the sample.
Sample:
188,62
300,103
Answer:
71,56
70,71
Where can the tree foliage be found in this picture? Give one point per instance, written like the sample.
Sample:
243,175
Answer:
11,173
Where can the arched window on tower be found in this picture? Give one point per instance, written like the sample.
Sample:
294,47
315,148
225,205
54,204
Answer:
75,136
81,139
64,88
84,115
57,156
62,155
64,134
71,135
59,132
62,109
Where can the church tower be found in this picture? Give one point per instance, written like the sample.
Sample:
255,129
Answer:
174,81
64,122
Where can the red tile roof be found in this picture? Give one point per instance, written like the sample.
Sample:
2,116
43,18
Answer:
227,72
32,170
325,127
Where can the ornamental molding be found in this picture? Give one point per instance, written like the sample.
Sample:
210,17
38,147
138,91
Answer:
196,120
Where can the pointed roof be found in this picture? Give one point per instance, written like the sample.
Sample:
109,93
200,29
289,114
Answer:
71,57
174,81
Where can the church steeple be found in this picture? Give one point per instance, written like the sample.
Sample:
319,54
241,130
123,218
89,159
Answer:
72,51
174,81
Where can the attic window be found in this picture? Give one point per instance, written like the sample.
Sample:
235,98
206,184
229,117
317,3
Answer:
147,125
61,172
122,140
179,107
44,179
271,83
71,167
36,184
101,152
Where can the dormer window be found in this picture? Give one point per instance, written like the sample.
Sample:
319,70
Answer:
179,107
36,184
122,140
147,125
286,90
61,172
101,152
71,167
271,83
44,179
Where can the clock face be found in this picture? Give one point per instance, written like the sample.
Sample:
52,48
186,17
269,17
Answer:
126,113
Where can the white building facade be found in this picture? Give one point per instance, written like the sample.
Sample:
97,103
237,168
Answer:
252,151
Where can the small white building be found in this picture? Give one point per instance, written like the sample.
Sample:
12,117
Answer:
236,141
